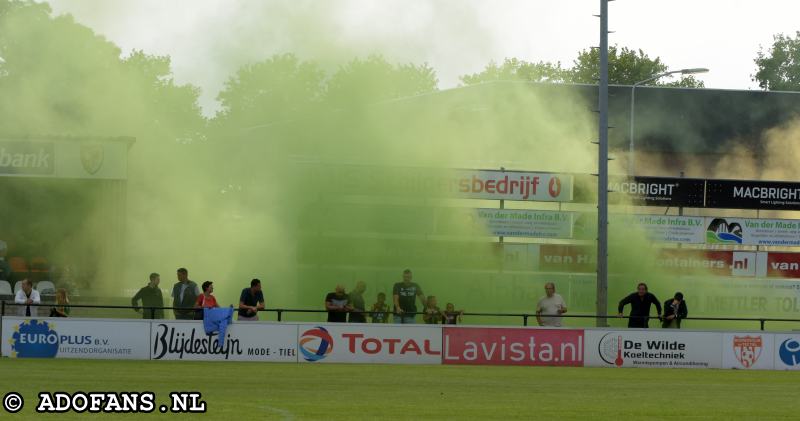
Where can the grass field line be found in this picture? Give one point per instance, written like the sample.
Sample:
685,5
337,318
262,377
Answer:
287,415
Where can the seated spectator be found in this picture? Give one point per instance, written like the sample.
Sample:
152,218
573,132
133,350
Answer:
338,304
151,298
251,301
5,267
380,310
61,308
452,316
27,296
358,313
432,315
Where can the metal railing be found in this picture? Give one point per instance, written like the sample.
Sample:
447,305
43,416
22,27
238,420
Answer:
7,308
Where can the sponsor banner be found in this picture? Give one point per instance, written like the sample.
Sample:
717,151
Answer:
64,159
657,191
665,229
525,223
753,232
743,194
748,350
27,158
243,341
787,351
782,265
513,185
75,338
720,263
567,258
512,346
363,343
653,348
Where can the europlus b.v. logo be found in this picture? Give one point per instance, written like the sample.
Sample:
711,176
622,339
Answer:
315,344
39,339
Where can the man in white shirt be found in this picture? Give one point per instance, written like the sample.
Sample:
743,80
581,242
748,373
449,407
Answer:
550,307
27,295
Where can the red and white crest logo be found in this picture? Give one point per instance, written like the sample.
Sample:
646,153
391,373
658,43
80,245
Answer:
747,349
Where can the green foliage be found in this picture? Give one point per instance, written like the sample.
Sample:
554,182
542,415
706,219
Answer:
59,77
370,80
625,67
275,89
516,69
779,66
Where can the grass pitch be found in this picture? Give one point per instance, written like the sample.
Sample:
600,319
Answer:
263,391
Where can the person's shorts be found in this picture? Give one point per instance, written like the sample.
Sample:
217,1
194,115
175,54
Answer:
403,319
247,319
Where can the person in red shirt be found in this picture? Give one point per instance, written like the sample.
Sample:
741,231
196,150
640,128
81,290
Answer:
206,300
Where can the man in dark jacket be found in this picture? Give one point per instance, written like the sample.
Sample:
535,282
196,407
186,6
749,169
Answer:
674,311
184,295
640,302
150,295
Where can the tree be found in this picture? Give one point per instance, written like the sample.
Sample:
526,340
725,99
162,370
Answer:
59,77
274,90
516,69
366,81
779,67
625,67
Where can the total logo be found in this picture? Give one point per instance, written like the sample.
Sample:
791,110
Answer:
315,344
789,352
39,339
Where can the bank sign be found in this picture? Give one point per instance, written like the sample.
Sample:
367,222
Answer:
364,343
269,342
64,159
75,338
641,348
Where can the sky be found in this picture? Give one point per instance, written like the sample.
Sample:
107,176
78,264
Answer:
209,39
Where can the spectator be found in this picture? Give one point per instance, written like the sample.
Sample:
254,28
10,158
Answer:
674,311
550,307
358,314
184,295
251,301
151,297
338,304
640,302
432,315
405,295
205,300
380,310
62,304
27,296
452,316
5,267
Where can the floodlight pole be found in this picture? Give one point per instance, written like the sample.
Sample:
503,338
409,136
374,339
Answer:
602,174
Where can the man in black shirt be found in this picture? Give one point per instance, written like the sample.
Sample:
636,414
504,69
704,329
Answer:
640,302
357,302
250,301
338,304
405,299
674,311
151,296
